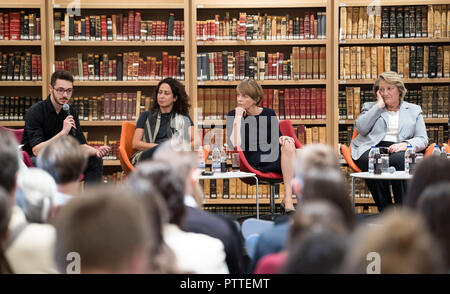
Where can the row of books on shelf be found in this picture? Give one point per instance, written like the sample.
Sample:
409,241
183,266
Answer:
351,101
117,27
20,26
364,202
113,154
375,22
436,134
15,107
124,66
20,66
302,63
114,178
309,25
236,189
410,61
109,106
288,103
434,101
239,210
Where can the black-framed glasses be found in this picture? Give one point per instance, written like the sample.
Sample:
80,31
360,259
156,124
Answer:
61,91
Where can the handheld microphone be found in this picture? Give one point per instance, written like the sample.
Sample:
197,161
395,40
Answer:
66,108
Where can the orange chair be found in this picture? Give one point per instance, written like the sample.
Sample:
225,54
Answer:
346,152
206,150
125,146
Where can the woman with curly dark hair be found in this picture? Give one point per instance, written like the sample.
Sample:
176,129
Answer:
168,118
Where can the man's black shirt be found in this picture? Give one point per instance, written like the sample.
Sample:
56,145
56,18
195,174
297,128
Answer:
43,123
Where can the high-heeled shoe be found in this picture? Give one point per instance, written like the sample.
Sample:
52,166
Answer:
284,210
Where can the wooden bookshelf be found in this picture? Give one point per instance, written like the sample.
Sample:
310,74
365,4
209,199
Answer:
34,46
393,41
205,9
62,49
366,84
119,43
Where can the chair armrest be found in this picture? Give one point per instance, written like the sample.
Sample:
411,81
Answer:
345,150
429,149
125,161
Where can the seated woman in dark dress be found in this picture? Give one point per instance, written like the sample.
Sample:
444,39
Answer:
257,131
168,118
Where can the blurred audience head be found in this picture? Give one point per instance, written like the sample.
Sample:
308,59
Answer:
316,243
310,158
36,192
434,206
9,161
108,230
162,259
63,159
5,216
182,160
402,243
168,183
430,170
331,186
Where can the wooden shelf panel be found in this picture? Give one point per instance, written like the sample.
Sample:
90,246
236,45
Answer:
259,4
263,83
117,83
386,2
12,123
294,122
241,201
393,41
436,120
363,200
99,123
109,162
120,4
21,4
262,43
21,43
102,123
21,83
118,43
406,81
433,120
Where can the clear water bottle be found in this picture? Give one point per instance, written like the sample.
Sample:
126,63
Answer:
372,151
216,159
443,152
223,160
201,158
410,159
436,150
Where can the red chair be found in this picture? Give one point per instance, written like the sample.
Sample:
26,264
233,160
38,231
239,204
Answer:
346,152
270,178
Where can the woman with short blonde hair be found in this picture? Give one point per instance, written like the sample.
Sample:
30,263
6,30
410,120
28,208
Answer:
253,127
393,78
390,124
